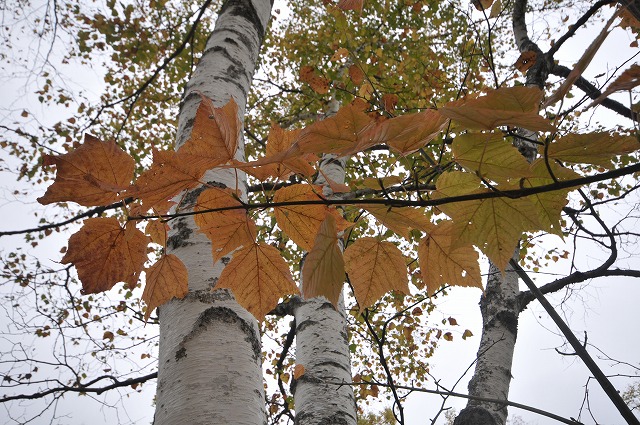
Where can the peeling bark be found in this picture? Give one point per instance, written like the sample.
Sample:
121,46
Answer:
210,353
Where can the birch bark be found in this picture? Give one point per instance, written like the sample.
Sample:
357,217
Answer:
500,305
322,346
210,352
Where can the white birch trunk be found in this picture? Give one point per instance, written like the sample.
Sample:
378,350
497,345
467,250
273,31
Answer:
322,347
210,352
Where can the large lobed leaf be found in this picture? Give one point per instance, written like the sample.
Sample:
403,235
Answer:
93,174
166,279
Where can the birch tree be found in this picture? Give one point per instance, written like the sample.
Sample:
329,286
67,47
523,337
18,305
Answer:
412,136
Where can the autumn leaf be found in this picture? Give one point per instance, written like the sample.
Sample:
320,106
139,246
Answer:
298,371
374,268
157,231
104,253
377,183
356,74
166,279
338,134
93,174
549,205
443,264
514,106
350,4
482,4
400,220
408,133
214,137
525,61
490,155
323,271
167,177
494,225
317,83
258,277
302,222
628,80
228,229
280,160
599,148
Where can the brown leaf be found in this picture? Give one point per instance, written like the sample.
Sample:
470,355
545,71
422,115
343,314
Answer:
525,61
514,106
323,270
628,80
298,371
408,133
93,174
166,279
356,74
228,229
374,268
157,231
317,83
598,148
340,133
389,101
258,277
104,254
302,222
350,4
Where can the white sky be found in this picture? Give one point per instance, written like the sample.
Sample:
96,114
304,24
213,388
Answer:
542,378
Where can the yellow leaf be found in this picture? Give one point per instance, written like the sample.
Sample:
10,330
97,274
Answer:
374,268
489,155
514,106
104,254
258,277
494,225
166,279
323,270
549,205
377,183
302,222
91,175
599,148
400,220
442,264
228,229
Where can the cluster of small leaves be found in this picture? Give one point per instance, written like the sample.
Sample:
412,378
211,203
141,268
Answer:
105,252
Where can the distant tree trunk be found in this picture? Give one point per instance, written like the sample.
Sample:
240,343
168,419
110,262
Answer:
499,305
322,347
210,352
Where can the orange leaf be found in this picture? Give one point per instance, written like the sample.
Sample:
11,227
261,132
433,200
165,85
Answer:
227,230
317,83
166,279
340,133
91,175
323,270
104,254
258,277
214,137
167,177
298,371
374,268
441,264
350,4
389,101
400,220
515,106
302,222
408,133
